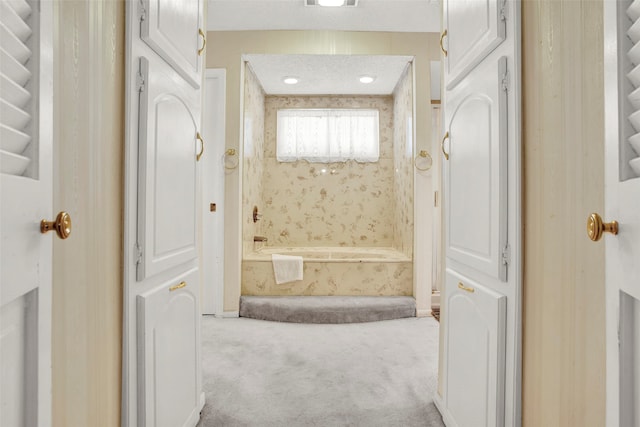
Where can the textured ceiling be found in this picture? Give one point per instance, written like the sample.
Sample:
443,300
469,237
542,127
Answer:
328,74
369,15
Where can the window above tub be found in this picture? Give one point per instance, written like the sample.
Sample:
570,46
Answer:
328,135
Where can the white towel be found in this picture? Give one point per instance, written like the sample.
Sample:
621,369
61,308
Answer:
286,268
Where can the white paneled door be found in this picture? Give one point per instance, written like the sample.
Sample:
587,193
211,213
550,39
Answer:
473,29
481,175
162,372
168,331
172,28
475,345
26,127
476,171
620,226
168,147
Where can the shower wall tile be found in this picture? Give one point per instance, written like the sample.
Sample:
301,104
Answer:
403,165
253,157
338,204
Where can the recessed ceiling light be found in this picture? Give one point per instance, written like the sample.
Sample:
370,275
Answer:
291,80
331,3
367,79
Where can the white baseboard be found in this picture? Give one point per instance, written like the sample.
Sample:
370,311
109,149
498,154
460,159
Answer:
194,419
229,314
425,312
435,299
446,417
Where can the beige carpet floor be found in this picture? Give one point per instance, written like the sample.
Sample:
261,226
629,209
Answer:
264,374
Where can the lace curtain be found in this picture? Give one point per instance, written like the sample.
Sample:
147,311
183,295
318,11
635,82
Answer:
327,135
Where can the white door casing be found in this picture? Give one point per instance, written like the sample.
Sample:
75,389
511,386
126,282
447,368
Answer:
482,211
26,128
162,196
622,204
213,178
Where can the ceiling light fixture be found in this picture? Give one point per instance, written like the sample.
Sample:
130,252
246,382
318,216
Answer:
291,80
331,3
367,79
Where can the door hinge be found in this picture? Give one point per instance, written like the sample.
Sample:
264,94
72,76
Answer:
140,82
505,81
142,12
138,253
503,11
506,255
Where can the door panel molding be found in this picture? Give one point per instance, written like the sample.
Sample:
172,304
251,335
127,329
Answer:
477,166
474,30
170,28
169,355
168,173
475,352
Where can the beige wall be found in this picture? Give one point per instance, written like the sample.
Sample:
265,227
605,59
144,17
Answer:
564,354
88,183
224,50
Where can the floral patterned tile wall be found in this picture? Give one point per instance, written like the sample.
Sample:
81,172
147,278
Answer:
403,165
337,204
253,157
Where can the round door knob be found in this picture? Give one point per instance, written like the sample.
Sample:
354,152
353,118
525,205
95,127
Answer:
596,227
62,225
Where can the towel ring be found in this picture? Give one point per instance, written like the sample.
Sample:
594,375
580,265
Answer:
423,155
230,159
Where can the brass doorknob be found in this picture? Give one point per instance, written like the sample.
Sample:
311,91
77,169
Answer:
596,227
62,225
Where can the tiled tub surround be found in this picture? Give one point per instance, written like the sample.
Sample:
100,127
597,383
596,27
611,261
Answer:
374,271
403,164
253,157
337,204
339,217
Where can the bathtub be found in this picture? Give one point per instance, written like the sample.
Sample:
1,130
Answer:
331,271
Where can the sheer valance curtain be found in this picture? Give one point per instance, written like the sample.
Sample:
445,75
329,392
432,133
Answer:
328,135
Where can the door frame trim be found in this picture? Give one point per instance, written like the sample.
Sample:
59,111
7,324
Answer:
212,288
130,214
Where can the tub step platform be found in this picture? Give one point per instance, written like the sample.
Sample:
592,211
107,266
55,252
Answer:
327,309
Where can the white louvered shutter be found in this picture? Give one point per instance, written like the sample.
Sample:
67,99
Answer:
17,90
630,64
